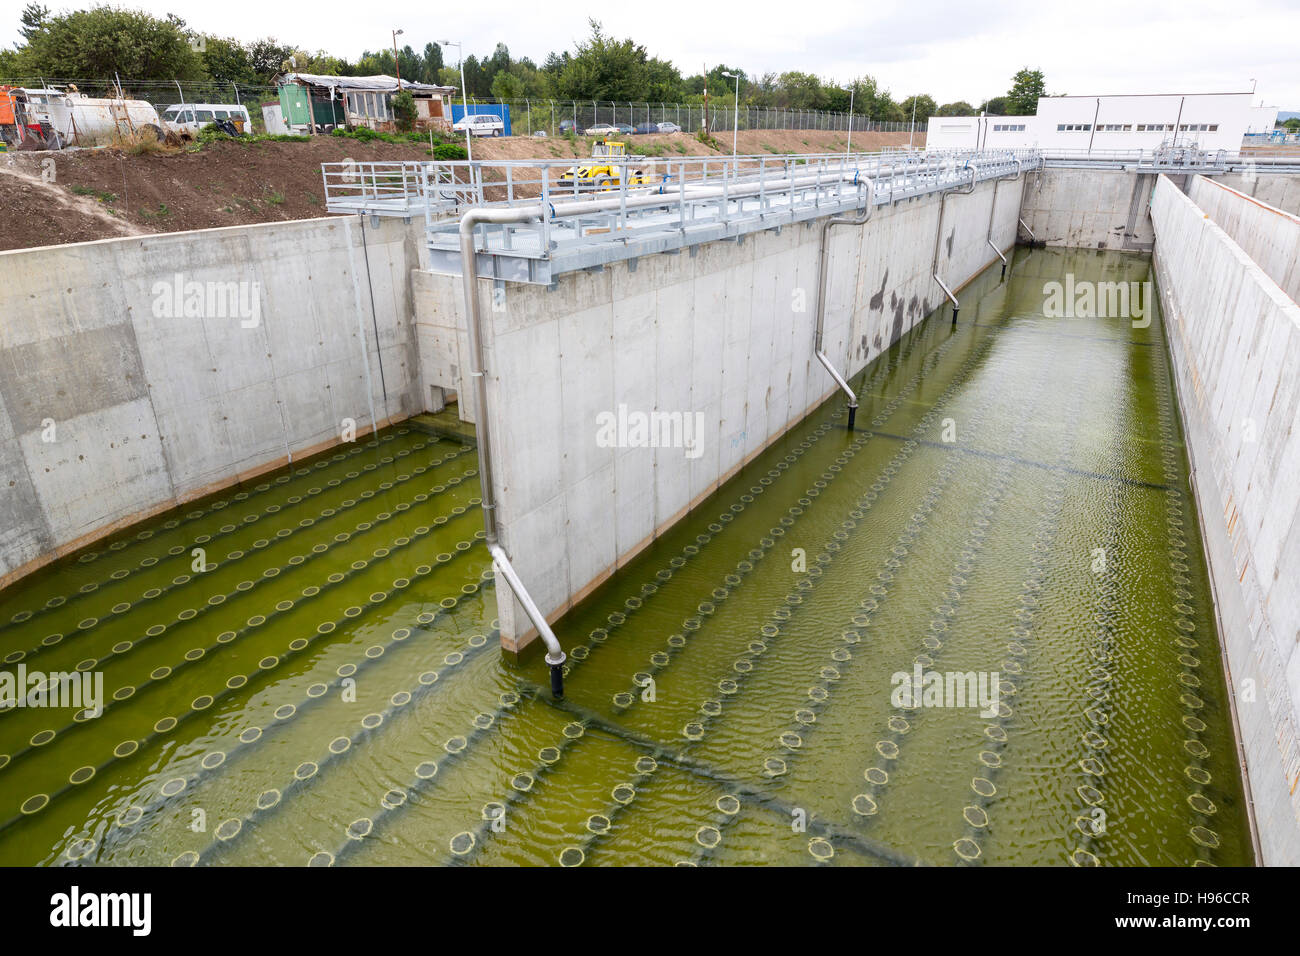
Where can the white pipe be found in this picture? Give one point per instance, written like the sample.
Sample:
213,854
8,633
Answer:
869,187
938,234
993,208
469,261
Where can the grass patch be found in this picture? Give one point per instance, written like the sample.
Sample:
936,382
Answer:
709,140
99,194
210,134
142,142
162,212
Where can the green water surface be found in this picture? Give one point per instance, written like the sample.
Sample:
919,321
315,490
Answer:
1013,503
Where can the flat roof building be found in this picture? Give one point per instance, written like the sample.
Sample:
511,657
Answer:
1124,121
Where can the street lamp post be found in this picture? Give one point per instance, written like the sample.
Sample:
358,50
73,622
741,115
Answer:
397,64
912,132
848,148
464,101
735,126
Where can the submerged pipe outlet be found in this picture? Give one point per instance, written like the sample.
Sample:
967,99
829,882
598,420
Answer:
938,234
993,207
501,561
510,215
869,187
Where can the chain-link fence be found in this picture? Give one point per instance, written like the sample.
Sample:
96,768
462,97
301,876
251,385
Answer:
527,116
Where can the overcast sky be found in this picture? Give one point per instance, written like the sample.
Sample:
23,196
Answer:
948,49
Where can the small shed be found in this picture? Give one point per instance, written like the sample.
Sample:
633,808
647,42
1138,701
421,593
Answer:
316,101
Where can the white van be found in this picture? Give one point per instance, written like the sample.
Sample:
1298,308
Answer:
186,119
481,124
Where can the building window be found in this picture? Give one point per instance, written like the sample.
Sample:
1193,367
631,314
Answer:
1214,127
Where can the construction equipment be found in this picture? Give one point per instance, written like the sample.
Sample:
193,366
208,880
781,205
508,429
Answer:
54,118
601,174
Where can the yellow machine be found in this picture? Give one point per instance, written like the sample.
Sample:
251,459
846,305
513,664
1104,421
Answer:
601,175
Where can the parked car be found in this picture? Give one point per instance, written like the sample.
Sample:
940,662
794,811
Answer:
645,128
602,129
569,126
481,124
624,129
669,128
541,133
186,119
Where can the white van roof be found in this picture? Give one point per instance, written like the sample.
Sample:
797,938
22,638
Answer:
206,106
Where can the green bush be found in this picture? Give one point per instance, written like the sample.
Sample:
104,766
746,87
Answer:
365,134
404,111
210,134
447,151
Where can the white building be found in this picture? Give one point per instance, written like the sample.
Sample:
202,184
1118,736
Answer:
1125,121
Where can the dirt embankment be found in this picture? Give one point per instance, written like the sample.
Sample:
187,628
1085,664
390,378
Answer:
47,198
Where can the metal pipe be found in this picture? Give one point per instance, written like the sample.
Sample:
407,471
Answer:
472,218
869,186
993,210
938,234
469,263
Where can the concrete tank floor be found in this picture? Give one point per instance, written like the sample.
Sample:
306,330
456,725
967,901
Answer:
1014,504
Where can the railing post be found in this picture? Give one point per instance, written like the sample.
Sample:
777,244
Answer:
546,204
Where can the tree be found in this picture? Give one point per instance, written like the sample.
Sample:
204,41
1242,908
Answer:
266,55
101,41
506,86
475,81
32,17
925,107
998,106
960,108
1026,88
228,61
430,63
603,68
802,91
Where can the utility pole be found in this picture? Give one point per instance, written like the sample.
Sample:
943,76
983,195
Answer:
912,132
848,148
397,64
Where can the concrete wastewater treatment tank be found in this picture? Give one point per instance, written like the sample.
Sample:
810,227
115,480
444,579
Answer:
977,628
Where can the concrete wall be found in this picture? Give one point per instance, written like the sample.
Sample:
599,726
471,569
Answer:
1279,191
1089,208
724,331
120,398
1107,208
1268,235
1235,341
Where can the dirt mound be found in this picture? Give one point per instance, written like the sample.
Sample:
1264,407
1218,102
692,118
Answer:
101,193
